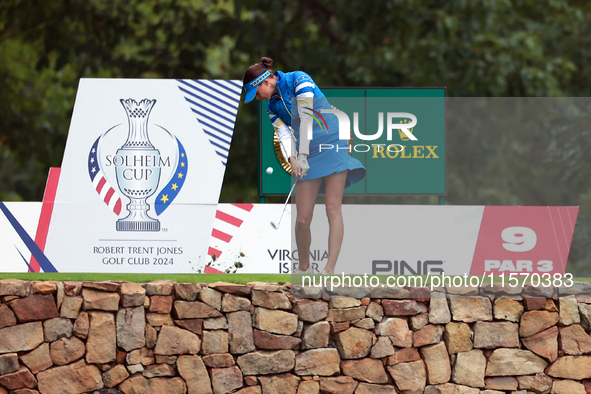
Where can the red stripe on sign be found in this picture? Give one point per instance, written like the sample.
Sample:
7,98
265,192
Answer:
211,251
46,212
109,195
117,208
246,207
234,221
211,270
221,235
100,185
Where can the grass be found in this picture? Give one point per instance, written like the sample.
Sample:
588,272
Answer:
143,278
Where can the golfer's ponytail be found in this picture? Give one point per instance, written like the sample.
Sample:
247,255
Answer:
267,62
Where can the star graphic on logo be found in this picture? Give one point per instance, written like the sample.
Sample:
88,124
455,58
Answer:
174,186
164,198
180,174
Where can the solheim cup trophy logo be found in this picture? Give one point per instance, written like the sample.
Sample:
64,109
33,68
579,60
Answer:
137,167
138,176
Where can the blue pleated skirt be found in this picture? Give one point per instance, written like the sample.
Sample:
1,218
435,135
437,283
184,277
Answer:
329,155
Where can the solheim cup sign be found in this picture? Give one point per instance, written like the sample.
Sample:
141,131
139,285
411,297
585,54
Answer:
137,168
141,175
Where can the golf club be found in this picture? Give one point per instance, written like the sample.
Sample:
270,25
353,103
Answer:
276,225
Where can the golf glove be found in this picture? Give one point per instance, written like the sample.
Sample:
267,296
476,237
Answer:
303,161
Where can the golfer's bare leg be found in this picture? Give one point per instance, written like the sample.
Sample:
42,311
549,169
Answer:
306,193
335,187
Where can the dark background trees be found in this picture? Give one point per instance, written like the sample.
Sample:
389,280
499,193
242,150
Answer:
489,48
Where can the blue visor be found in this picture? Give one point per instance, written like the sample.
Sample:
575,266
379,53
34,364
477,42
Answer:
251,87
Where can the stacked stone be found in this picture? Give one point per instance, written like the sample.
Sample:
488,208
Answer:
166,337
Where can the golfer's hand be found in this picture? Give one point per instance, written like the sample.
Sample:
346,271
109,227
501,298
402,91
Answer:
299,166
303,161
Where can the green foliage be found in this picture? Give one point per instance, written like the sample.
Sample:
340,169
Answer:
488,48
35,107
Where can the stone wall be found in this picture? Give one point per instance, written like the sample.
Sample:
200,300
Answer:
166,337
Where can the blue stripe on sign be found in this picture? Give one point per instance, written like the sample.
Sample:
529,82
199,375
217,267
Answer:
25,260
219,146
212,126
43,261
212,98
230,98
207,126
202,101
210,112
185,83
216,136
215,102
209,85
189,93
201,83
237,85
233,114
222,86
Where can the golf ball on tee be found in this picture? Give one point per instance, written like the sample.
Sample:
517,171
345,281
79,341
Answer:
269,170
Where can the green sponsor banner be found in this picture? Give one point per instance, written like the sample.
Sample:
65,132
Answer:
396,162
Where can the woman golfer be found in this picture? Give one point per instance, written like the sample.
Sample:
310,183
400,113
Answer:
319,158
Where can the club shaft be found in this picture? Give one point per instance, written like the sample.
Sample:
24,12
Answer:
286,201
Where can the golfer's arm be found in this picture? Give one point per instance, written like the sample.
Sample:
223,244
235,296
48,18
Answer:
305,102
283,133
285,138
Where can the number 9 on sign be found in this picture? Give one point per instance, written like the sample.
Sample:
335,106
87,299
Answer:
519,239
